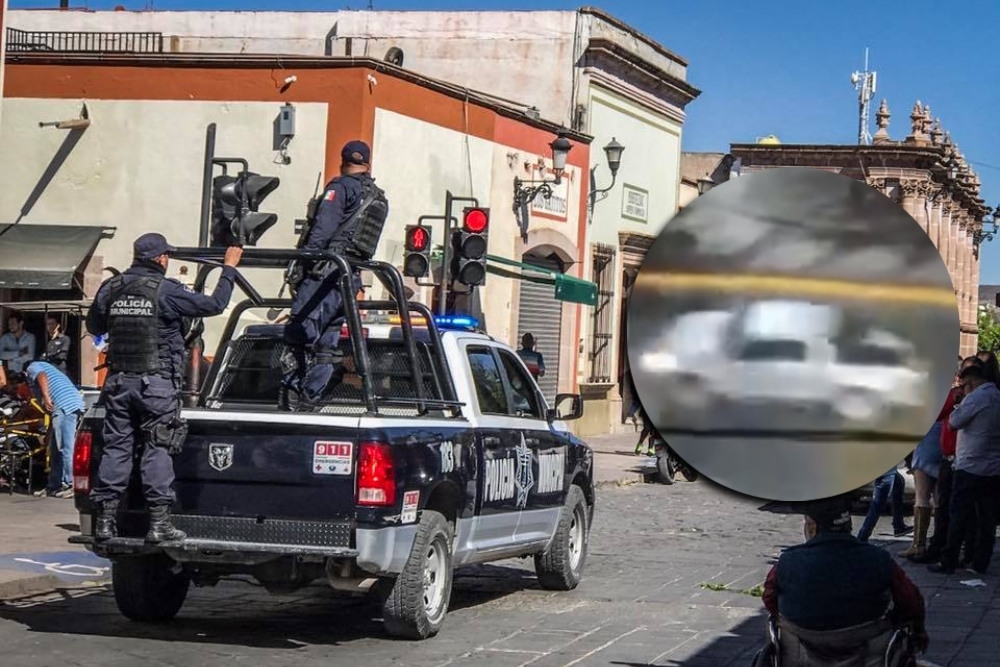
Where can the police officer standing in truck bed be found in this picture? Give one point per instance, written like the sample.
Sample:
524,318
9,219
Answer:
142,312
348,221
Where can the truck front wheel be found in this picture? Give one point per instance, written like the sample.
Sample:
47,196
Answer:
415,603
560,566
147,589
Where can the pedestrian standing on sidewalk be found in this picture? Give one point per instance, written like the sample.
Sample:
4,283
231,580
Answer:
925,465
991,367
887,487
942,499
646,436
63,401
976,485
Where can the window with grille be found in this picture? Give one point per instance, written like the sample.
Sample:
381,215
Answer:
603,323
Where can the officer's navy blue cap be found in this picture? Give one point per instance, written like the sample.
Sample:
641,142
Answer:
356,152
150,246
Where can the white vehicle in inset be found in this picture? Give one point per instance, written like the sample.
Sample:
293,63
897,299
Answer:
783,353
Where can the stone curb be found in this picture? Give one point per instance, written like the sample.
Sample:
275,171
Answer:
29,586
628,479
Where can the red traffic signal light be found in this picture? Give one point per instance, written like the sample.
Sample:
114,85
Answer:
476,220
470,244
417,258
417,239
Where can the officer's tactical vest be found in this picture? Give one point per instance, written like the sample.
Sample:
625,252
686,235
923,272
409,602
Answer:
359,235
133,324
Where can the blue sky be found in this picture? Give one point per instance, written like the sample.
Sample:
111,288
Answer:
783,67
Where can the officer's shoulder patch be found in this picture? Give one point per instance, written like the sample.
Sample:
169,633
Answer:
331,194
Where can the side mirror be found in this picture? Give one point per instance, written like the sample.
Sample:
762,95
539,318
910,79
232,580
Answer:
567,407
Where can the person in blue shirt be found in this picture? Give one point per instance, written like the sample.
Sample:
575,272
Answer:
64,402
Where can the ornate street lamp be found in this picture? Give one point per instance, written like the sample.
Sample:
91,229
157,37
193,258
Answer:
526,191
613,154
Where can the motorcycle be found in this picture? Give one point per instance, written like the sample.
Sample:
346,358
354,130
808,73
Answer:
668,463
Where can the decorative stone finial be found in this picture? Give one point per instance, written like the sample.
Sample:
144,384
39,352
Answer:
936,133
925,123
882,117
917,135
949,148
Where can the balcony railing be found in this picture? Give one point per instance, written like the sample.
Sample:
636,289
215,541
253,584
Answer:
83,42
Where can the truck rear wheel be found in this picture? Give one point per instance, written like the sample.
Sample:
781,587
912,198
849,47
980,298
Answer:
415,603
559,567
146,589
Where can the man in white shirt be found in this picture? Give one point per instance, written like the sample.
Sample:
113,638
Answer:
17,346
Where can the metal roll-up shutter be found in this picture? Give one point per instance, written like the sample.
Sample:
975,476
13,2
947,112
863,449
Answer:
541,315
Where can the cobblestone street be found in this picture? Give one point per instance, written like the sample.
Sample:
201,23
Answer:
642,602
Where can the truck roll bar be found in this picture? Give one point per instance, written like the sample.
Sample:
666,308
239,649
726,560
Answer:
340,277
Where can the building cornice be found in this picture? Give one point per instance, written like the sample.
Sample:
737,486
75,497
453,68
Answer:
276,61
624,27
929,159
606,54
640,97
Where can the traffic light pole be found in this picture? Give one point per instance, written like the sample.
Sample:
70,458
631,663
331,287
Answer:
206,187
446,278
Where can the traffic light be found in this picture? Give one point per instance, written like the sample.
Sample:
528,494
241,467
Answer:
417,260
235,200
470,242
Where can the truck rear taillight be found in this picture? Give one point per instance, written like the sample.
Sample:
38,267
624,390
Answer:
81,461
376,475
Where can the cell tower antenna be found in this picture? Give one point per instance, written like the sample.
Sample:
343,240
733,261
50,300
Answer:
864,83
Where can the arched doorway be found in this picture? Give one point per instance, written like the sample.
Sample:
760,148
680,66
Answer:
541,315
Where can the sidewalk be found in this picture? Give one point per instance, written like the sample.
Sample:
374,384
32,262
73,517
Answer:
35,557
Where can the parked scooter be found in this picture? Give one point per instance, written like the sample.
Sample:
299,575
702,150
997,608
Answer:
668,463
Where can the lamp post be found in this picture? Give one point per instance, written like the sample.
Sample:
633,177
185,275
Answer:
613,154
993,219
526,191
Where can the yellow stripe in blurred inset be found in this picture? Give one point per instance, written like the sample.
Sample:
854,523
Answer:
761,285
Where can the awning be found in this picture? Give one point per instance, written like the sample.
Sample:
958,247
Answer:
45,257
77,306
567,288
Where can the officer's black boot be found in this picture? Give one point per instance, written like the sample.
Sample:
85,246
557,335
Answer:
160,528
106,527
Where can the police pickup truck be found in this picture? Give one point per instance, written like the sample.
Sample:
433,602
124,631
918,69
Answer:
433,448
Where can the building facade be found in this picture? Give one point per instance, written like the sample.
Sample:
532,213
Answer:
584,70
3,48
925,173
137,165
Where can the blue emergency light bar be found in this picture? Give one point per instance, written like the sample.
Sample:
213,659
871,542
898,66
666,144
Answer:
456,322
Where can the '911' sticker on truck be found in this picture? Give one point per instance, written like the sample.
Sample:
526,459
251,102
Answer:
332,458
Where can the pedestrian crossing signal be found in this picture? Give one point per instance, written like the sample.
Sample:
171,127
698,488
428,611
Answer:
417,259
470,243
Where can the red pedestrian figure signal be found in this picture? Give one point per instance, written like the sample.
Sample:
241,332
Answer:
417,259
470,244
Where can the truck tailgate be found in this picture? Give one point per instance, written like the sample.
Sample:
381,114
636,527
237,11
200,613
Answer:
267,466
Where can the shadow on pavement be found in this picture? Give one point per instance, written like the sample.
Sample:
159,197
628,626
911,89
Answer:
735,649
240,613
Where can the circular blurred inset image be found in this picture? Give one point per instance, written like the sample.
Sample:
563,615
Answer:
793,334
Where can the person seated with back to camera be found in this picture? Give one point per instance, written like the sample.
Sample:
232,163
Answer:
834,593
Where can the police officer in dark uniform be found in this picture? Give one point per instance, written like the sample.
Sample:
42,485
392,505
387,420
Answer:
348,221
142,313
